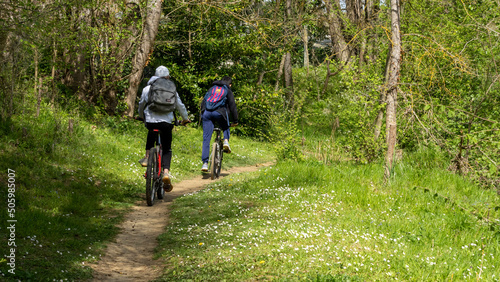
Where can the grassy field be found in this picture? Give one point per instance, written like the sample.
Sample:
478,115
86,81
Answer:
323,219
73,187
314,222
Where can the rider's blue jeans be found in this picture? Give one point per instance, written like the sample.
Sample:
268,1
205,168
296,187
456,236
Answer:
209,118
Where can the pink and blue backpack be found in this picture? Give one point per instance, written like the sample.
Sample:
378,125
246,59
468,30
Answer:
216,97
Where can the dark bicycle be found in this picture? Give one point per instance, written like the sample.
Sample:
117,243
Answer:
154,174
216,155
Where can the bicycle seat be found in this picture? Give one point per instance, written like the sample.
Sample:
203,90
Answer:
217,129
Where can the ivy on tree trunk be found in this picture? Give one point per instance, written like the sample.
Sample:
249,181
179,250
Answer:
143,51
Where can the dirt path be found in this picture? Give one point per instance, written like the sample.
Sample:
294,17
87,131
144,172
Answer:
130,257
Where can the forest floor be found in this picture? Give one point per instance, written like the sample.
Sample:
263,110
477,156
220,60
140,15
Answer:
130,256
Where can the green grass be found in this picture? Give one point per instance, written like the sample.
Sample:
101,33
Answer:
324,219
72,189
313,222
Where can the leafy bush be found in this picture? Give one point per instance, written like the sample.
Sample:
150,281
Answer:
345,111
285,137
255,107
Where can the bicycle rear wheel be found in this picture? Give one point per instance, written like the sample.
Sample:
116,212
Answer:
218,156
151,176
214,164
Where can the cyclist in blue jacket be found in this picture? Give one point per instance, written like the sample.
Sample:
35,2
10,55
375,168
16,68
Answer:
219,116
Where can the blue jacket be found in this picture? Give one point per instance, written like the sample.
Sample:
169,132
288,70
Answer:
230,107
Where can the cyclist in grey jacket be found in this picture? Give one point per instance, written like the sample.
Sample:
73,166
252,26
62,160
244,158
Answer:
161,121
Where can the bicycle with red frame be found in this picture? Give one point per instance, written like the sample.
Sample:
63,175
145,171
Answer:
154,174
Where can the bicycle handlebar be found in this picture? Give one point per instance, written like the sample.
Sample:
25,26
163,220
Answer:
176,122
182,123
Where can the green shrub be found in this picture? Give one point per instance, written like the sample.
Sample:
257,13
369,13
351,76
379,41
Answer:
345,112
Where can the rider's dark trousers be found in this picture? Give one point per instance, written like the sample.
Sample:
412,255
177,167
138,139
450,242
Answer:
166,140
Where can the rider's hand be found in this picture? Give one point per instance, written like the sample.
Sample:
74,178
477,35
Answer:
184,122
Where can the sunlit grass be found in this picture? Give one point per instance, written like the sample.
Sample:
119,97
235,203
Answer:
304,221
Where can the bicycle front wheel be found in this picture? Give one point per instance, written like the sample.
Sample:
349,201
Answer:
214,163
151,176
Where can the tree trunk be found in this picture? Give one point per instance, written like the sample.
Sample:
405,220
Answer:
391,149
327,78
53,74
143,50
288,71
288,60
39,96
383,98
289,79
35,90
305,38
354,11
329,74
120,51
365,22
80,56
362,51
339,45
393,87
75,56
190,52
380,116
280,72
5,38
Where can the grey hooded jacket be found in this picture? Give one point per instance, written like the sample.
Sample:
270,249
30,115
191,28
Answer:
152,117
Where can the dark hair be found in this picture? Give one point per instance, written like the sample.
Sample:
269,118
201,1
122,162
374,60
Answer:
227,79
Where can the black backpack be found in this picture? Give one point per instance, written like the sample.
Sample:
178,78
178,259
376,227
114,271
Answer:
162,96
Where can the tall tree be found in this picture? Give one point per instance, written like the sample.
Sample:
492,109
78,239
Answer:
382,98
285,67
339,44
392,86
143,50
305,38
366,27
288,55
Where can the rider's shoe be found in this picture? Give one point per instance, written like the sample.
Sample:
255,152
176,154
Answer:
226,147
167,184
143,162
204,167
